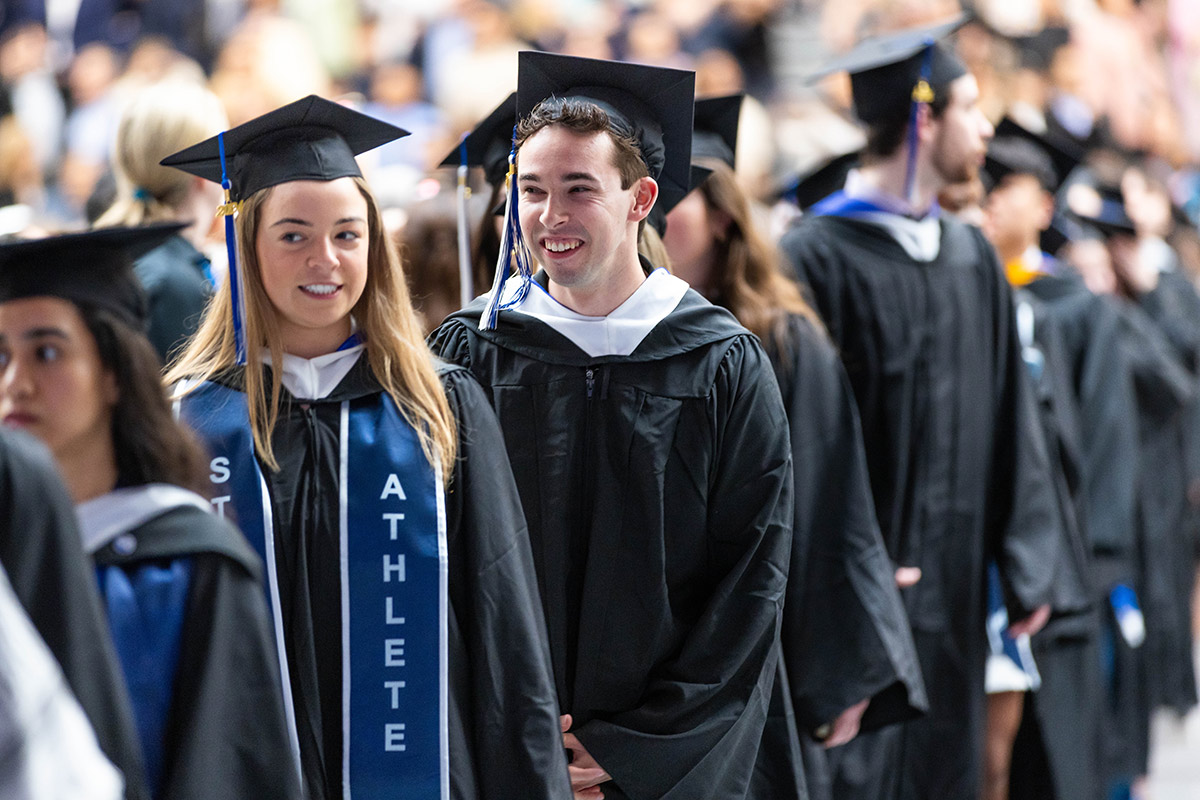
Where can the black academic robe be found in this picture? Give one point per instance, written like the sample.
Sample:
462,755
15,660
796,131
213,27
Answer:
53,578
225,733
957,469
657,487
845,634
1173,307
1057,749
497,650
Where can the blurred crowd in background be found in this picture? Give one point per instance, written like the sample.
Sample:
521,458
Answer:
1120,74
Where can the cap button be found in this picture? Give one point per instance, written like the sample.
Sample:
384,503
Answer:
125,544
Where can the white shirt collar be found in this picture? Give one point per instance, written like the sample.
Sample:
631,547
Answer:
622,330
921,238
103,518
315,378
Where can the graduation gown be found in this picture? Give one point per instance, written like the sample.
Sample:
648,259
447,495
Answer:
657,486
504,735
1173,307
845,634
1056,753
957,471
185,603
52,577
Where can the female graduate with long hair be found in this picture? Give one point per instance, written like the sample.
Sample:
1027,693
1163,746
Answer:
373,479
845,637
180,586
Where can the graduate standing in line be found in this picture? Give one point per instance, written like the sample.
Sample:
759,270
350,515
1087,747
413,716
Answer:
648,439
41,552
847,648
372,479
180,586
923,319
1044,720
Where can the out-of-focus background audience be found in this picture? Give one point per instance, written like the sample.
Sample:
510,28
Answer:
1120,74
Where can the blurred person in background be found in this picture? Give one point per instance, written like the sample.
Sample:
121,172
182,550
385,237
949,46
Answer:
847,656
181,586
177,275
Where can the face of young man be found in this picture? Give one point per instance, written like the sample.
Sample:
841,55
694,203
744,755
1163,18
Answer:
961,134
1017,211
580,225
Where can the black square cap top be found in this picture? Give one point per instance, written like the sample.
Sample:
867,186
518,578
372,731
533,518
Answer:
885,69
489,144
715,128
1015,155
651,104
311,139
823,179
92,268
1064,154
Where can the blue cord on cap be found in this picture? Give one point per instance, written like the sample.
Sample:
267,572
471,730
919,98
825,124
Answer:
228,209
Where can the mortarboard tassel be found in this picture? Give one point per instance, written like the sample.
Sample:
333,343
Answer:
922,94
227,210
512,249
466,290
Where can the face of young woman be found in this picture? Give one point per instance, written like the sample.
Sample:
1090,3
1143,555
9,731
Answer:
52,382
312,253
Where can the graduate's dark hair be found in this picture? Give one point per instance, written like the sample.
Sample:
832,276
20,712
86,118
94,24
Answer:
150,445
748,278
885,137
583,117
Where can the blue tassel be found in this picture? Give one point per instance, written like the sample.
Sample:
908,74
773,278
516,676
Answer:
922,94
235,282
513,251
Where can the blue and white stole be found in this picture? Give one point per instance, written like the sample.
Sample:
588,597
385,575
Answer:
392,518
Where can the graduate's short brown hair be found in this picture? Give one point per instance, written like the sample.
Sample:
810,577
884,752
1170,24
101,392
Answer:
885,136
583,117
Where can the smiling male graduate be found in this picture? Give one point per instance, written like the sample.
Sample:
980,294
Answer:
648,439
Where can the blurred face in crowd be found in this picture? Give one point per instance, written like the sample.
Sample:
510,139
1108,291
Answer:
578,221
961,133
693,228
312,256
1017,211
52,382
1092,261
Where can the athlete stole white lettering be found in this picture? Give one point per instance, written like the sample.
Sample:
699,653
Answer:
393,649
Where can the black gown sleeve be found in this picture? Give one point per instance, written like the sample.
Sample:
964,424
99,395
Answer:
845,633
697,729
1023,519
41,551
505,736
226,731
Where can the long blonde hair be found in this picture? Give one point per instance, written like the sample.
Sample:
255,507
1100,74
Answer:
395,347
162,119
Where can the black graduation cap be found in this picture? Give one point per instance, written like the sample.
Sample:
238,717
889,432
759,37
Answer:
1037,50
91,268
654,105
822,180
1100,207
715,128
489,144
310,139
1065,155
1013,155
886,70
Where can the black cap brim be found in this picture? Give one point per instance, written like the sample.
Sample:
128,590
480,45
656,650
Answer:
489,143
310,139
91,268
